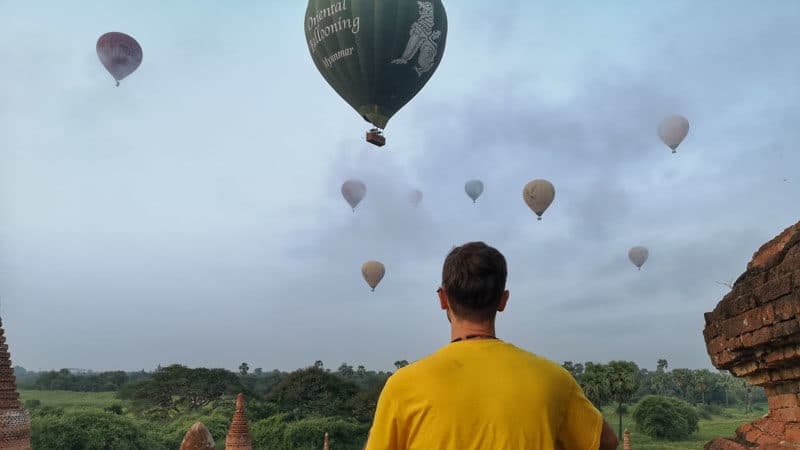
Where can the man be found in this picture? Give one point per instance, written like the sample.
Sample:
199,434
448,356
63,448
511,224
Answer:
479,392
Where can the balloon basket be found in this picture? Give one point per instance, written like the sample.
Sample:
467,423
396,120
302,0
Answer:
375,137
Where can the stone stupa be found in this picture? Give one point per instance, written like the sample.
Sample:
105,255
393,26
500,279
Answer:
198,438
15,422
239,437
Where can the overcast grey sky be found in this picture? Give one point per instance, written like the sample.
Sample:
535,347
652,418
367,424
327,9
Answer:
194,214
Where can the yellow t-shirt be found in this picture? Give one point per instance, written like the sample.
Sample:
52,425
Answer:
484,395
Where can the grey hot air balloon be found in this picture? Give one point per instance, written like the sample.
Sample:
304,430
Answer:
354,191
474,188
539,194
373,272
672,130
415,197
638,256
119,53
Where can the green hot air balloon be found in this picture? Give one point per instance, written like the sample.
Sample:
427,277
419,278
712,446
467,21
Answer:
376,54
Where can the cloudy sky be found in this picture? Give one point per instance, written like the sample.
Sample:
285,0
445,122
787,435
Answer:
194,214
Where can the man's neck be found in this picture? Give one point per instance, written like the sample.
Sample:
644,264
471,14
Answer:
462,329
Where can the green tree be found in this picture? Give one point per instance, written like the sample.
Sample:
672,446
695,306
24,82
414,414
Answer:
683,380
346,371
314,392
400,364
623,377
662,365
703,383
595,384
244,368
258,372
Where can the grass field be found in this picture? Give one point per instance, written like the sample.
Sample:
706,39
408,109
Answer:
71,400
709,429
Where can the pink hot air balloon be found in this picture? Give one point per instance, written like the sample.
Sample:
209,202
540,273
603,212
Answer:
119,53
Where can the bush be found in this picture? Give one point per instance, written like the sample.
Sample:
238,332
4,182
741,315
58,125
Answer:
116,408
307,434
665,418
90,430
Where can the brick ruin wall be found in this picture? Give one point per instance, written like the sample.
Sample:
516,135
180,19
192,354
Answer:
754,332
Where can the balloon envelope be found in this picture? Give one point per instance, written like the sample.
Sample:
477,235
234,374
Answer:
638,255
415,197
539,194
373,272
354,191
474,188
673,130
376,54
119,53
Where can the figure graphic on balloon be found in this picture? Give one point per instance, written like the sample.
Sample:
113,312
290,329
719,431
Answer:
354,45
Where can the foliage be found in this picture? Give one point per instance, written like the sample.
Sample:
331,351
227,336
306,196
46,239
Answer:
177,387
665,417
595,384
314,392
90,430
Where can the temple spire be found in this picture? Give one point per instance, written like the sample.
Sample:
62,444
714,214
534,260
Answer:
15,422
239,437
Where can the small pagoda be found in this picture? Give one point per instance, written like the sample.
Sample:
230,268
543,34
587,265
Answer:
15,422
239,437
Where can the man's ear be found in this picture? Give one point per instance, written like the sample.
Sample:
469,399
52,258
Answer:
503,301
443,300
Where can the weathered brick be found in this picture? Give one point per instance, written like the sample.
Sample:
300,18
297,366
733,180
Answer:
766,439
774,357
744,302
786,414
793,433
753,435
717,345
724,444
758,379
745,369
762,336
767,313
787,308
783,401
774,289
786,328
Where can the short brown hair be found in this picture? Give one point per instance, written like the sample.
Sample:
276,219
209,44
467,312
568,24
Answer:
474,278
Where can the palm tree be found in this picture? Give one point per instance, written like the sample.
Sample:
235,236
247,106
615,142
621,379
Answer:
594,383
623,383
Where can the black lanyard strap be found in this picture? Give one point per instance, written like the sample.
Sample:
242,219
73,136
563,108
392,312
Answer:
474,336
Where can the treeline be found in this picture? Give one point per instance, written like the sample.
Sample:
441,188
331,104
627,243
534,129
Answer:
285,410
691,385
64,380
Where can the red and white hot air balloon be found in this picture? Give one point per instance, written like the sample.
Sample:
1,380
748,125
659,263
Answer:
119,53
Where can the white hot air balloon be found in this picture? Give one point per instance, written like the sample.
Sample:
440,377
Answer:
119,53
638,255
672,130
474,188
538,195
415,197
373,272
354,191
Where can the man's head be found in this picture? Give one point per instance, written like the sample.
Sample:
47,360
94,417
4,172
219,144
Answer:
474,282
